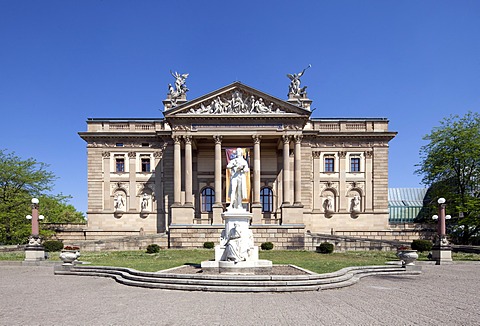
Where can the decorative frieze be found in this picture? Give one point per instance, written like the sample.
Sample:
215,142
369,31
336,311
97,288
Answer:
234,103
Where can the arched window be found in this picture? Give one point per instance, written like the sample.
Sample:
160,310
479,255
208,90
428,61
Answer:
266,198
208,198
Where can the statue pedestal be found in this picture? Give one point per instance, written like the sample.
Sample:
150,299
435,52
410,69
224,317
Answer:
236,237
34,253
442,254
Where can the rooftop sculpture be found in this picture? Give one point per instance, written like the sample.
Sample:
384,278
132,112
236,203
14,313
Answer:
180,89
294,88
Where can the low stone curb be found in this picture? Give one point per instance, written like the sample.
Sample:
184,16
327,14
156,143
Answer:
235,283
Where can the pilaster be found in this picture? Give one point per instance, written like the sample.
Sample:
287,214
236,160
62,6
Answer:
106,180
342,168
298,171
132,162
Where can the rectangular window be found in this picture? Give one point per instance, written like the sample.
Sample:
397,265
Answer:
146,164
329,164
355,164
119,164
119,144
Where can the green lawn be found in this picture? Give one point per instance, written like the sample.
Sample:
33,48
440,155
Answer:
319,263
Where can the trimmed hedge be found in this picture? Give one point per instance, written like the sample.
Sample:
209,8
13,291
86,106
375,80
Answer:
267,246
52,245
208,245
422,245
325,248
153,248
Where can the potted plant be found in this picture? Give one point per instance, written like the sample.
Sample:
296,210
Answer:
70,254
407,255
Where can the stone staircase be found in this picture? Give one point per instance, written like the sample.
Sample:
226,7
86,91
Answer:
235,283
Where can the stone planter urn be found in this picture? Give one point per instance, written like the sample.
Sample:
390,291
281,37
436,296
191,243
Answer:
69,256
407,256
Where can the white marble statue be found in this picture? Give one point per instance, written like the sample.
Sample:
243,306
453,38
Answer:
145,204
328,205
239,244
294,88
355,204
119,203
180,87
238,182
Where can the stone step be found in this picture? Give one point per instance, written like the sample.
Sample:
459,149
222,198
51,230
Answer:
234,283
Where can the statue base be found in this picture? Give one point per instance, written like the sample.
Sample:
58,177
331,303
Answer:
249,264
241,267
442,254
34,253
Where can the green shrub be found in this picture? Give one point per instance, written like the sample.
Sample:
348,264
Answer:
208,245
52,245
422,245
153,248
325,248
267,246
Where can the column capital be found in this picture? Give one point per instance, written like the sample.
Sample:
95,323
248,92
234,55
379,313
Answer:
298,138
286,139
106,154
256,139
132,154
176,139
188,139
217,139
342,154
369,154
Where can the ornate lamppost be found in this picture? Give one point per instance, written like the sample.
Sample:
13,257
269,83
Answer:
34,250
441,251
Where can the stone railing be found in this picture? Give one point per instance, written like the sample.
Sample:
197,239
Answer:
125,126
348,125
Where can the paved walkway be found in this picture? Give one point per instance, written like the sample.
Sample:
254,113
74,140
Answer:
447,294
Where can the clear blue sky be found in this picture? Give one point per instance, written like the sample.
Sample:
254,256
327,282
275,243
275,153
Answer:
61,62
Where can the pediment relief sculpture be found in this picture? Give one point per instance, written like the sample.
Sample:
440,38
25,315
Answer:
236,103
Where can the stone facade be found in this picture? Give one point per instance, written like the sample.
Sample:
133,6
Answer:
168,175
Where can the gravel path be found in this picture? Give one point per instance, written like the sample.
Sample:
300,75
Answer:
446,294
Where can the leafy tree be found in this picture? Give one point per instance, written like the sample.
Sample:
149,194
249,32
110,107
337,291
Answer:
56,210
450,165
20,181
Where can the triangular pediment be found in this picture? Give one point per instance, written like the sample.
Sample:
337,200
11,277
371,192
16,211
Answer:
237,101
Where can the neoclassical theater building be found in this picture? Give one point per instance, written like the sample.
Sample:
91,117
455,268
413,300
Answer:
168,175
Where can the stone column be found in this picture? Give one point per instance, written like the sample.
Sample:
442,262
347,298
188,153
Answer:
256,169
286,170
177,170
298,171
188,171
132,162
217,207
107,205
256,205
